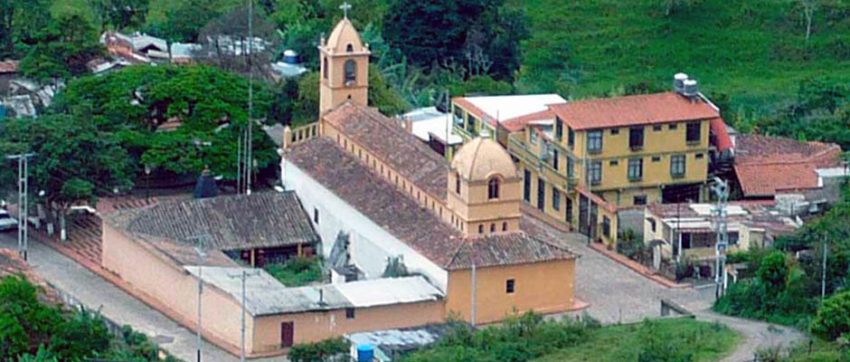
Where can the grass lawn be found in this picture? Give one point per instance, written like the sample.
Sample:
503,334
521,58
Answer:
752,51
296,272
705,341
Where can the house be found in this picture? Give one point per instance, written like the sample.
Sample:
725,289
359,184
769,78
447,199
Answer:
691,227
774,167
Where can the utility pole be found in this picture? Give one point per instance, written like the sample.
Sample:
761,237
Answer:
721,190
245,273
23,186
199,249
823,272
249,152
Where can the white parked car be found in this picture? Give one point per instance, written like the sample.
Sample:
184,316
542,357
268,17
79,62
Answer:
7,222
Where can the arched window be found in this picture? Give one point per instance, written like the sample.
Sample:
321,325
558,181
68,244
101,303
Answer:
457,183
325,68
350,71
492,228
349,48
504,226
493,189
481,229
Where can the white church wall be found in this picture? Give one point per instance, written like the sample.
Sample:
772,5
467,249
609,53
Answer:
370,245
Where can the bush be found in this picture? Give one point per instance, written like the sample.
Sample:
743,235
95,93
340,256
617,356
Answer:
319,351
833,318
296,272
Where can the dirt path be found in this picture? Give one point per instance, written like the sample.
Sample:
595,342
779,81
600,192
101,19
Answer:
755,335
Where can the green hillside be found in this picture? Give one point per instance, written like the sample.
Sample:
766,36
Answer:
754,51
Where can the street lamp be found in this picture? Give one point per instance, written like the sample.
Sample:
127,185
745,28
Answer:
199,250
243,276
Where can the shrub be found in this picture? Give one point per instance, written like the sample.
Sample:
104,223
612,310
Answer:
319,351
833,318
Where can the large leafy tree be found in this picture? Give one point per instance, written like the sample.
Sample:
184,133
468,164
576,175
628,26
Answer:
62,49
211,106
20,22
74,161
184,20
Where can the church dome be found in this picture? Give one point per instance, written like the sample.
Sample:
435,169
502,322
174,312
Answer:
343,36
483,158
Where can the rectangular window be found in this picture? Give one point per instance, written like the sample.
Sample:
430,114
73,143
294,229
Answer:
635,169
559,129
526,184
316,216
699,156
694,132
349,313
613,163
470,123
651,223
640,200
510,286
556,199
636,138
458,115
570,167
569,216
732,237
555,159
541,194
656,158
571,137
615,131
656,128
594,141
677,165
595,172
672,126
532,136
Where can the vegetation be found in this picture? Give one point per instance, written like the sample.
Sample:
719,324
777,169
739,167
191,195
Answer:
530,337
31,330
319,351
296,272
833,318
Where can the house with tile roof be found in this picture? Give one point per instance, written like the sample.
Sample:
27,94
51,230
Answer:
767,167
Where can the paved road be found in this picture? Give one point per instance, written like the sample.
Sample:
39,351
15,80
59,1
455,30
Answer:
94,292
617,293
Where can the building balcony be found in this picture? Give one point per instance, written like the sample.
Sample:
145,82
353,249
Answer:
530,158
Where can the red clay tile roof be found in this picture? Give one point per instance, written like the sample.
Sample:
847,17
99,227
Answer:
633,110
765,165
387,141
401,216
9,66
518,123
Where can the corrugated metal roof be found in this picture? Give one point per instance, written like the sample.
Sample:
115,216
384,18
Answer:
265,295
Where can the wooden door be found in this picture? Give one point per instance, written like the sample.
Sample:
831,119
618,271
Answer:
287,334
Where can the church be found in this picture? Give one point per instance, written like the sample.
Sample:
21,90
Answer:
360,175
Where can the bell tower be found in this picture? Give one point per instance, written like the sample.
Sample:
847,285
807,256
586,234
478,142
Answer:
344,67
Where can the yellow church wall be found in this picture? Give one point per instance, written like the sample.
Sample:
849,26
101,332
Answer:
545,287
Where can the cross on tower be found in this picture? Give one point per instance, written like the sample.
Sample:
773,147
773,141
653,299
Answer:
345,8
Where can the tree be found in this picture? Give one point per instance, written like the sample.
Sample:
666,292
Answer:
833,318
25,323
184,20
122,13
808,8
483,35
773,271
62,49
20,21
75,162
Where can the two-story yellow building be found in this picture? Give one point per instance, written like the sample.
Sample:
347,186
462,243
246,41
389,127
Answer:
613,152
